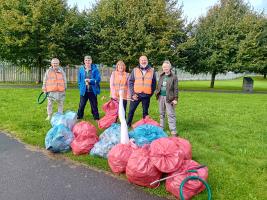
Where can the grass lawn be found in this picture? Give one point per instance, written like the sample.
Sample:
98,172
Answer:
228,133
260,84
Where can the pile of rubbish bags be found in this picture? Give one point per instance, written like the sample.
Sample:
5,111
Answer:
66,134
153,155
60,136
145,155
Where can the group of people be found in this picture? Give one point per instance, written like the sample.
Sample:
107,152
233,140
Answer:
138,86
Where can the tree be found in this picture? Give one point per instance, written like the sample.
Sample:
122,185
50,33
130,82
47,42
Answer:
127,29
216,38
253,50
34,31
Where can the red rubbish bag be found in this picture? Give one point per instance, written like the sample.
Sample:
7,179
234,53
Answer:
85,136
184,145
118,157
140,170
146,120
165,155
111,109
191,187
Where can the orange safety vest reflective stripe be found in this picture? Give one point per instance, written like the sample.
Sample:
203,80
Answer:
142,84
55,81
120,83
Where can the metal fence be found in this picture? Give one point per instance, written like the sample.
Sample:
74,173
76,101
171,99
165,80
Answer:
9,73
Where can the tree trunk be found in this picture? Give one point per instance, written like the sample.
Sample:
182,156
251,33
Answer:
264,75
213,79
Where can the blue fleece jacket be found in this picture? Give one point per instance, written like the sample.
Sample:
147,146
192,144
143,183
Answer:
94,81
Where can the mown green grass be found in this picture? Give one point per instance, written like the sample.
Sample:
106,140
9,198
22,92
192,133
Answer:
228,133
260,84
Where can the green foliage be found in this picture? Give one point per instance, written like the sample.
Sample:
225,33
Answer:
127,29
253,50
217,38
34,31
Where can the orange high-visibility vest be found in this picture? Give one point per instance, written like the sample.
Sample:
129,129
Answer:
142,84
55,81
120,83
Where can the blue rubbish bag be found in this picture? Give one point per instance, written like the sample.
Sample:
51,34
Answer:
146,133
57,119
71,118
68,119
58,139
108,139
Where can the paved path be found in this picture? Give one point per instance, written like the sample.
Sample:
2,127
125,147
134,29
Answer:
31,175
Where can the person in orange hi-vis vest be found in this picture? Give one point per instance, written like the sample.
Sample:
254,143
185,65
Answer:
119,81
55,84
142,84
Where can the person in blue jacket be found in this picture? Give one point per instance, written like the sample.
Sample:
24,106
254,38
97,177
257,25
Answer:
88,82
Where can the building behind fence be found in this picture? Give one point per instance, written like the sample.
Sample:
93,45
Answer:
9,73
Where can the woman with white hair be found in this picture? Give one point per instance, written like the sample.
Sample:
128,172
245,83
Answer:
167,96
55,84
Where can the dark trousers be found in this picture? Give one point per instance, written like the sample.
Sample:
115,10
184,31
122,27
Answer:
93,102
125,105
133,105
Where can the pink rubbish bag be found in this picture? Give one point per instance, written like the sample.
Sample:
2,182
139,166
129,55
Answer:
165,155
118,157
184,145
146,120
111,114
85,136
140,170
191,187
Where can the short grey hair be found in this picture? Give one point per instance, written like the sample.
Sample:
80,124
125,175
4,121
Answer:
167,62
54,60
87,57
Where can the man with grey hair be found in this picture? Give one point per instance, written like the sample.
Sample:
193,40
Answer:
55,84
167,96
142,84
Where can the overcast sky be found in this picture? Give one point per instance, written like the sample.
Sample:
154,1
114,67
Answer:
192,8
